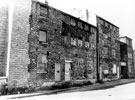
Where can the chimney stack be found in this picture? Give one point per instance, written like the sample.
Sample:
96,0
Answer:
87,15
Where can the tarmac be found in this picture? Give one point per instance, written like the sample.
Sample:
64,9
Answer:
96,86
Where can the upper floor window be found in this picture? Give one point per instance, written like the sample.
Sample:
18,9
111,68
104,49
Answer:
86,27
130,55
44,11
92,30
73,22
80,43
73,41
42,36
80,24
87,44
106,24
113,53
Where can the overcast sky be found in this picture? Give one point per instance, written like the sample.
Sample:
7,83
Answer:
119,12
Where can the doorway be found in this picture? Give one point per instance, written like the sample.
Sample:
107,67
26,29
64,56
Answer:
67,71
57,72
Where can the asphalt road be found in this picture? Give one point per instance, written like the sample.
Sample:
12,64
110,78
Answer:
119,92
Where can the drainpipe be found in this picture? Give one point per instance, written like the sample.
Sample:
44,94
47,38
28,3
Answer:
97,54
10,19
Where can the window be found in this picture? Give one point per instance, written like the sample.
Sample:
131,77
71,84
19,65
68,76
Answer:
44,11
106,24
86,27
80,43
73,22
80,24
87,44
106,51
101,22
92,30
114,53
42,36
130,55
73,41
42,63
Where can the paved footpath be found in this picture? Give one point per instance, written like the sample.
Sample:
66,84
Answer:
96,86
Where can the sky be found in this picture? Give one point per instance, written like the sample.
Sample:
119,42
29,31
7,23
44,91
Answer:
119,12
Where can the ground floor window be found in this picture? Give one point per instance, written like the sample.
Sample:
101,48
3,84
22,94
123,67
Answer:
42,63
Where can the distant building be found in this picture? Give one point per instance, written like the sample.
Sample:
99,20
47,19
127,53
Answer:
127,58
109,49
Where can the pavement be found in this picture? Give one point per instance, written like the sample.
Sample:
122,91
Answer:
96,86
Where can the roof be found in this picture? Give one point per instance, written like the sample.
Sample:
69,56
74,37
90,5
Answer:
107,21
126,37
65,13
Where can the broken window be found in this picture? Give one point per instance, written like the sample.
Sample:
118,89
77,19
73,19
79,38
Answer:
42,63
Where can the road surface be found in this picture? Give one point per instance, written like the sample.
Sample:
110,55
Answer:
122,92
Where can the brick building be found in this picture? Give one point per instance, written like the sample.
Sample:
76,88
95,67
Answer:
48,45
3,41
62,47
127,58
109,49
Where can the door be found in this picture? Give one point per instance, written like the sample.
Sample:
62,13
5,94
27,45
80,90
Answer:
57,72
67,71
123,72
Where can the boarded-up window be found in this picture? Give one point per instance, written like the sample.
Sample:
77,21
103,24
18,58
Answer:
44,11
42,63
73,22
42,36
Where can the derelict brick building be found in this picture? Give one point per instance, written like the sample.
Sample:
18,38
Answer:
61,47
109,49
47,45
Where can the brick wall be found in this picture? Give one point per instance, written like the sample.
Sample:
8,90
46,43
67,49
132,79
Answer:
19,59
3,38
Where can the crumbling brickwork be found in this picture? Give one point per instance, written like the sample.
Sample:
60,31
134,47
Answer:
67,38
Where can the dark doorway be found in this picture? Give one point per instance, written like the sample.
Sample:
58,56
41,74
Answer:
124,72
